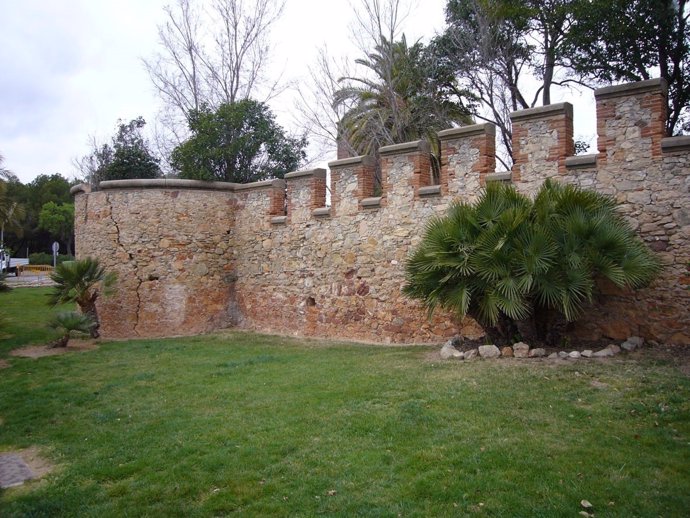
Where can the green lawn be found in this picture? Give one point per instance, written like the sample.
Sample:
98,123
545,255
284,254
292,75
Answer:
240,423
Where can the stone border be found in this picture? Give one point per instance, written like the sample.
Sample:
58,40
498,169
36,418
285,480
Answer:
522,350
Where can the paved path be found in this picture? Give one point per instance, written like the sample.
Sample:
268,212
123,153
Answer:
13,470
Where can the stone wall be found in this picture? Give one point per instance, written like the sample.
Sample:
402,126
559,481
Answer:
170,244
273,257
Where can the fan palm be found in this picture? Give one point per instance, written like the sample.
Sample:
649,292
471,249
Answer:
82,282
69,322
510,262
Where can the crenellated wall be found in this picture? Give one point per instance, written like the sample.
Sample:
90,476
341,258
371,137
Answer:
271,256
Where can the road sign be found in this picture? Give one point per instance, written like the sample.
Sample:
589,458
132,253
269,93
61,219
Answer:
56,247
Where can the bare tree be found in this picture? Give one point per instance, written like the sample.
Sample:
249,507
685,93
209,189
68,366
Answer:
210,56
316,112
376,22
509,57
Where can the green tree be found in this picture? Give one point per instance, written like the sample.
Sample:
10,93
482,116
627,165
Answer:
521,266
58,220
127,156
82,282
32,196
239,142
399,97
633,40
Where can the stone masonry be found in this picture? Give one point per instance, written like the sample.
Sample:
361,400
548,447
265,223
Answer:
272,256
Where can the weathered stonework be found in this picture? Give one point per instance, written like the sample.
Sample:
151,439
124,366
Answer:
271,256
170,248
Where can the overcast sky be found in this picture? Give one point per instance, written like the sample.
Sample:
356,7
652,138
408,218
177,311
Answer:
70,69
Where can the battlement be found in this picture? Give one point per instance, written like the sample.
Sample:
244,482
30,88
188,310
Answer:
275,256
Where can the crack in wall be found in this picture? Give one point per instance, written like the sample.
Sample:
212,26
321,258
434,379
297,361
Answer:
133,262
136,313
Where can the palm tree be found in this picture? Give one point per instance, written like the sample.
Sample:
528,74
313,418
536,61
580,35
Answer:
398,100
68,322
82,282
11,213
515,264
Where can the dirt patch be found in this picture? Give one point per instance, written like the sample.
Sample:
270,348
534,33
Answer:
4,364
38,464
39,351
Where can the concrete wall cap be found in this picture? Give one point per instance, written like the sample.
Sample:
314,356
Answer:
542,112
650,85
405,147
505,176
679,143
80,188
317,173
487,128
166,183
276,183
321,211
429,190
365,160
573,162
371,202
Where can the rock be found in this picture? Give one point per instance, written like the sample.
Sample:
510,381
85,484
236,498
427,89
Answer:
449,351
507,352
520,350
562,354
553,356
472,353
537,353
489,351
586,504
614,348
587,353
574,355
632,343
637,340
604,353
455,341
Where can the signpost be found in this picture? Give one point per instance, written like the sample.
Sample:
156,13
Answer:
56,248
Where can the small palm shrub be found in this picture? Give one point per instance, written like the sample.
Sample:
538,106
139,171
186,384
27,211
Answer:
82,282
522,266
67,323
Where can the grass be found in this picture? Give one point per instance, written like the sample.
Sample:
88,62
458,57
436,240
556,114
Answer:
24,314
238,423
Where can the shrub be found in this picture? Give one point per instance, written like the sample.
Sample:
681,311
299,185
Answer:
520,266
82,282
45,258
67,323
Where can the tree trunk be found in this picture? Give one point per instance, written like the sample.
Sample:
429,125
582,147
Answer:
89,309
60,342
